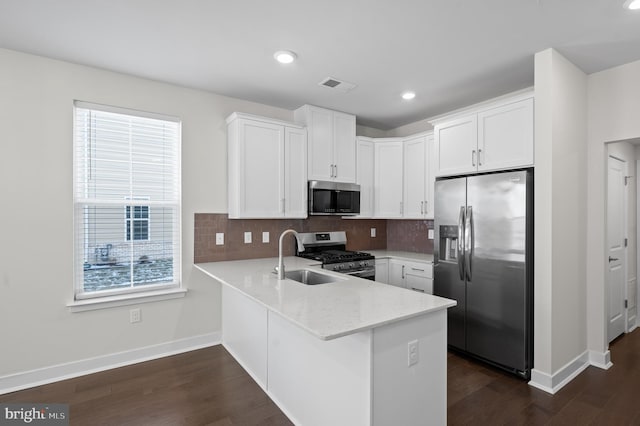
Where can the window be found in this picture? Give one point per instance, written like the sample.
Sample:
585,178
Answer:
126,166
138,223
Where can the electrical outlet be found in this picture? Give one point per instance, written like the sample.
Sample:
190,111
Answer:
247,237
135,315
265,237
219,238
430,234
373,232
412,353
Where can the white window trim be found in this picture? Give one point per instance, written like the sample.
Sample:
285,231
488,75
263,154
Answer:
95,303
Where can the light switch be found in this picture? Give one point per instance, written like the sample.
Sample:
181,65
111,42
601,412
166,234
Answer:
373,232
265,237
219,238
430,234
247,237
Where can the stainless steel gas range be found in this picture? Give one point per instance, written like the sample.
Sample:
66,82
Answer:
329,249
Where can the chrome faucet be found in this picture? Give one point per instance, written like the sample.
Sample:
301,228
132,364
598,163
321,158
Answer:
280,268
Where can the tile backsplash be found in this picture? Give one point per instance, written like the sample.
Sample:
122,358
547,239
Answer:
409,235
208,224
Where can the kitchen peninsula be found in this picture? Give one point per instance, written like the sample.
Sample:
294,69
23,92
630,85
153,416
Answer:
347,352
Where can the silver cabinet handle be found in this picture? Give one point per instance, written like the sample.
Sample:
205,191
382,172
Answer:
403,272
613,259
421,207
416,269
479,157
473,158
331,170
335,168
417,289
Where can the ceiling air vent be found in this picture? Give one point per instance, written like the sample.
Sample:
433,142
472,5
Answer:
334,83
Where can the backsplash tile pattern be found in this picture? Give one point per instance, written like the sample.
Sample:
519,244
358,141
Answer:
409,235
208,224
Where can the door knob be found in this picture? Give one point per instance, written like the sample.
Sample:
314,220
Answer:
612,259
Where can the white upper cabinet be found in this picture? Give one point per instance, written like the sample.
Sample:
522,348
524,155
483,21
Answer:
456,144
493,137
388,178
404,180
266,168
415,177
505,136
332,143
365,175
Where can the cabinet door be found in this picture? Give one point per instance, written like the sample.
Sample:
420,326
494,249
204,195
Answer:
505,136
320,144
415,178
344,147
396,272
260,169
365,175
431,178
382,271
295,173
456,146
388,180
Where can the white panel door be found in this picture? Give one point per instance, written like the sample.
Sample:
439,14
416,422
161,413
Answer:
344,147
388,180
365,176
505,136
456,144
320,125
415,177
616,247
295,173
261,169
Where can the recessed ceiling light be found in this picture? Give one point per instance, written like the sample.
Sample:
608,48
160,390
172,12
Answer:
285,56
407,96
632,4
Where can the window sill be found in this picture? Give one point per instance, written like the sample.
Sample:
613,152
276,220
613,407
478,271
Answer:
124,300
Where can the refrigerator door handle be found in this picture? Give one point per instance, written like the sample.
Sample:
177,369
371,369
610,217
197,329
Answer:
460,243
468,242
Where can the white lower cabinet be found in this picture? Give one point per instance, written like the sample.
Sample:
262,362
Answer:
382,271
360,379
412,275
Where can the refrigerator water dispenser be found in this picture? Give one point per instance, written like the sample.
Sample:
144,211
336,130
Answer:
449,242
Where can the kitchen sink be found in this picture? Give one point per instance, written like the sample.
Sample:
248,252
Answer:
306,276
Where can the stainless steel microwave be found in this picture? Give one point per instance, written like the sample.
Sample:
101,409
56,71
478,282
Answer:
333,198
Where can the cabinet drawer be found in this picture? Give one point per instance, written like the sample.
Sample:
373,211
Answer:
419,269
424,285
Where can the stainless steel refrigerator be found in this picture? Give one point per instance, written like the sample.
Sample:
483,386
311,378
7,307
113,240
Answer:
483,258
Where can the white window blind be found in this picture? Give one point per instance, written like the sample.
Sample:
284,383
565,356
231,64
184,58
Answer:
126,201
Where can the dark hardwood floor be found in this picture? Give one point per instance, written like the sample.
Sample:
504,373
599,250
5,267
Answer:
207,387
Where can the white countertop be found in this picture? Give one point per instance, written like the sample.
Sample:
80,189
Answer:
328,310
406,255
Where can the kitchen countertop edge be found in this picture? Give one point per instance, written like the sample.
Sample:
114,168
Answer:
265,290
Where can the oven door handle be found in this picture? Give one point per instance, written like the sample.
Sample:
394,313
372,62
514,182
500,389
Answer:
358,272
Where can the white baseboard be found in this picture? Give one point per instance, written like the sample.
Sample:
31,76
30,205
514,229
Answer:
54,373
600,359
553,383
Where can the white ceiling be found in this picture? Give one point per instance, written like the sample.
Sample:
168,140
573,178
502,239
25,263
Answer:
452,53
